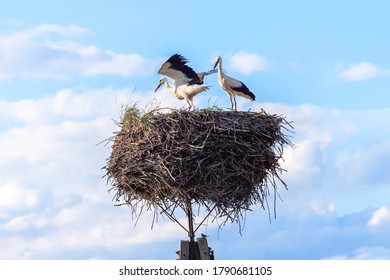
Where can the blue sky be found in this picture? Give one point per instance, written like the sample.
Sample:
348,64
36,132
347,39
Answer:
66,68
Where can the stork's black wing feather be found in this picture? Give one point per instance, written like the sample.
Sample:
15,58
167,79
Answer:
245,90
179,63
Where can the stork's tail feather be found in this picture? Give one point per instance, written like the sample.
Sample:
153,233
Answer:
205,87
200,88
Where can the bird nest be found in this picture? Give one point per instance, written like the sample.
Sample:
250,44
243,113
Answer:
221,160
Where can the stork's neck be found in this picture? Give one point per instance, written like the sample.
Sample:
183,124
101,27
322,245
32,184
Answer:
220,69
167,84
170,89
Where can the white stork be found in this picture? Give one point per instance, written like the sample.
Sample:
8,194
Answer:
232,86
184,91
177,69
187,83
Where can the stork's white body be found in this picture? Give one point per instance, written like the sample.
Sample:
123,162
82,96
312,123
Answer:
232,86
186,92
187,83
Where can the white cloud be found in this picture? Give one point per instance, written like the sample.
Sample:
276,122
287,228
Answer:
15,196
86,226
379,217
45,51
371,253
361,71
247,63
321,209
365,164
30,220
11,22
66,105
365,253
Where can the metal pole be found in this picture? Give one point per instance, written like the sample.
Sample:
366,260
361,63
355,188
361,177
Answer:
190,250
191,233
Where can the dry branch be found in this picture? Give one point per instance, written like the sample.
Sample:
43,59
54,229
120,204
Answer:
221,160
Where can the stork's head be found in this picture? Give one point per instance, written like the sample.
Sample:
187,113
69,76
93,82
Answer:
218,60
160,82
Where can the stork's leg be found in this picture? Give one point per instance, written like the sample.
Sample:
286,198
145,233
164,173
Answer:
235,103
190,104
231,102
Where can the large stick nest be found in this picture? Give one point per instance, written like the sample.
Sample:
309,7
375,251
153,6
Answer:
222,160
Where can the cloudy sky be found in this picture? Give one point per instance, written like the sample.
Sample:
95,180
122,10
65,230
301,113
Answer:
67,68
